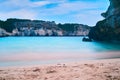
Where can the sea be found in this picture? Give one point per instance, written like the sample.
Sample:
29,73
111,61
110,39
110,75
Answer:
24,51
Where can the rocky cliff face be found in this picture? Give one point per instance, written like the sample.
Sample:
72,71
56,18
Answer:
3,33
109,28
19,27
36,28
112,15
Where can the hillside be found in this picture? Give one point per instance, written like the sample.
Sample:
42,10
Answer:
25,27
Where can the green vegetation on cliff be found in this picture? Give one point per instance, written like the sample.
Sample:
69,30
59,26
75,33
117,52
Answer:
24,27
8,25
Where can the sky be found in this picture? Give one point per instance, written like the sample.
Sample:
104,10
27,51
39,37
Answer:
61,11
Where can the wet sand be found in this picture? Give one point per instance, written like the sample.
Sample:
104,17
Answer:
107,69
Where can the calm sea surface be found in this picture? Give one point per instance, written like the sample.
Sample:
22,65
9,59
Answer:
20,51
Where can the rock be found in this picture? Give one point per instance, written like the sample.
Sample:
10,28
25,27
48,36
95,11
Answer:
3,33
37,70
23,27
109,28
87,39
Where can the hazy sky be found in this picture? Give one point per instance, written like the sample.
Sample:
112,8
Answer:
60,11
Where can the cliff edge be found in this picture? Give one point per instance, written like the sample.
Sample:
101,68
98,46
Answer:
109,28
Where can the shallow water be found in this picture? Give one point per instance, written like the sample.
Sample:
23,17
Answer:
16,51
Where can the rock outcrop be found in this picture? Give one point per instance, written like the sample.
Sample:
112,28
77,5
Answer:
109,28
23,27
3,33
74,29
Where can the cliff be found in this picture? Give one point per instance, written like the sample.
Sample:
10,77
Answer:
109,28
3,33
24,27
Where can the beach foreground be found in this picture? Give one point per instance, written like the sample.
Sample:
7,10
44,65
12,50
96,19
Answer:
108,69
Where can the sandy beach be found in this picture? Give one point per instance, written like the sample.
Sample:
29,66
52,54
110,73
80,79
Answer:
107,69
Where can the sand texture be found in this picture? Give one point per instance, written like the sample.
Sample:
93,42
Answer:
108,69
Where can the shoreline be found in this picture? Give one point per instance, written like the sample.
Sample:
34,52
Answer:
62,62
102,69
35,59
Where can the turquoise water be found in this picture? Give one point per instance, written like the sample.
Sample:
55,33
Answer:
16,51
